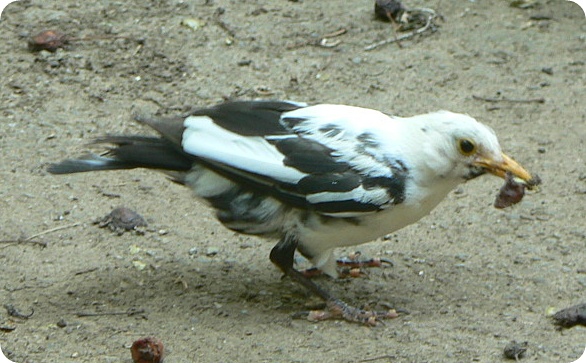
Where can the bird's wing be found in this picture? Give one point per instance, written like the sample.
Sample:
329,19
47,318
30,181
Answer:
317,157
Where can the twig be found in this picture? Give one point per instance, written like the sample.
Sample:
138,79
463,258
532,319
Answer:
222,24
337,33
44,244
97,37
20,240
12,311
323,41
129,312
91,269
327,43
511,100
428,24
386,356
51,231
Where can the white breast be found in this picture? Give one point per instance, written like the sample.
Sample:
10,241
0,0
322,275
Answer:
318,237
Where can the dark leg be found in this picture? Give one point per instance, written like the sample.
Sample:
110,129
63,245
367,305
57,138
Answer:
282,256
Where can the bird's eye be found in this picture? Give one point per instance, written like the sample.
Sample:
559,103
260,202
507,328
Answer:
466,147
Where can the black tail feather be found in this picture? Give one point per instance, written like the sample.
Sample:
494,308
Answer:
129,152
90,162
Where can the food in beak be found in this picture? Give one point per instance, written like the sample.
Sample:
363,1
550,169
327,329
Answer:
514,190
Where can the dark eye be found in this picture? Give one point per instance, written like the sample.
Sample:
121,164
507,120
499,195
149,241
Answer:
466,146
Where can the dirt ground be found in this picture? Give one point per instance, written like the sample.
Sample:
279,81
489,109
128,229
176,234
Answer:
472,277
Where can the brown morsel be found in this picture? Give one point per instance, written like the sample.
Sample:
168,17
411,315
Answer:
389,10
147,350
50,40
510,193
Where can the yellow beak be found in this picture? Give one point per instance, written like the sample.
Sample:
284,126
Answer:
507,165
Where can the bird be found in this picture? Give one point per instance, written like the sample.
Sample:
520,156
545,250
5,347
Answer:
313,177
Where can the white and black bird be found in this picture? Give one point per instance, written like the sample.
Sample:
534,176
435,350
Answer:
315,177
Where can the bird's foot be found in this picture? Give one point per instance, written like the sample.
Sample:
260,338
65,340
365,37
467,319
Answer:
282,256
311,272
353,261
337,309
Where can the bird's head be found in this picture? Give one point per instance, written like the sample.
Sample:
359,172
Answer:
459,148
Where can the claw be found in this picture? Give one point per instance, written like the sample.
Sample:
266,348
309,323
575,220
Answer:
312,272
353,260
337,309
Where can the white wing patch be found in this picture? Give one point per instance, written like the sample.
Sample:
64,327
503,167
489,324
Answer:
203,138
378,196
344,118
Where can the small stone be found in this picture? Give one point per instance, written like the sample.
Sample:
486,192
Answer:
515,350
462,257
139,265
193,24
212,251
48,40
134,249
547,70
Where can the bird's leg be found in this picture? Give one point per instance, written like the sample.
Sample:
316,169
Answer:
282,256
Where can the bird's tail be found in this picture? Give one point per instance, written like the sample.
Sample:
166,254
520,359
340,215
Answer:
129,152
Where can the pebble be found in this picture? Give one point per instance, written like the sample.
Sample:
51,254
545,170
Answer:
139,265
212,251
515,350
462,257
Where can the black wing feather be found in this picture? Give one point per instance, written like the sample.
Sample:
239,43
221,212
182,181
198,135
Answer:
309,156
335,182
250,118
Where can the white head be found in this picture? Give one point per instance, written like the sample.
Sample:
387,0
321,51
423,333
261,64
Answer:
454,148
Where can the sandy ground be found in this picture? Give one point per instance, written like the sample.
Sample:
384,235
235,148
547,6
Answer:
473,277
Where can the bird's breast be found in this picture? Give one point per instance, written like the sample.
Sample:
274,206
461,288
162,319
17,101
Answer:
319,233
